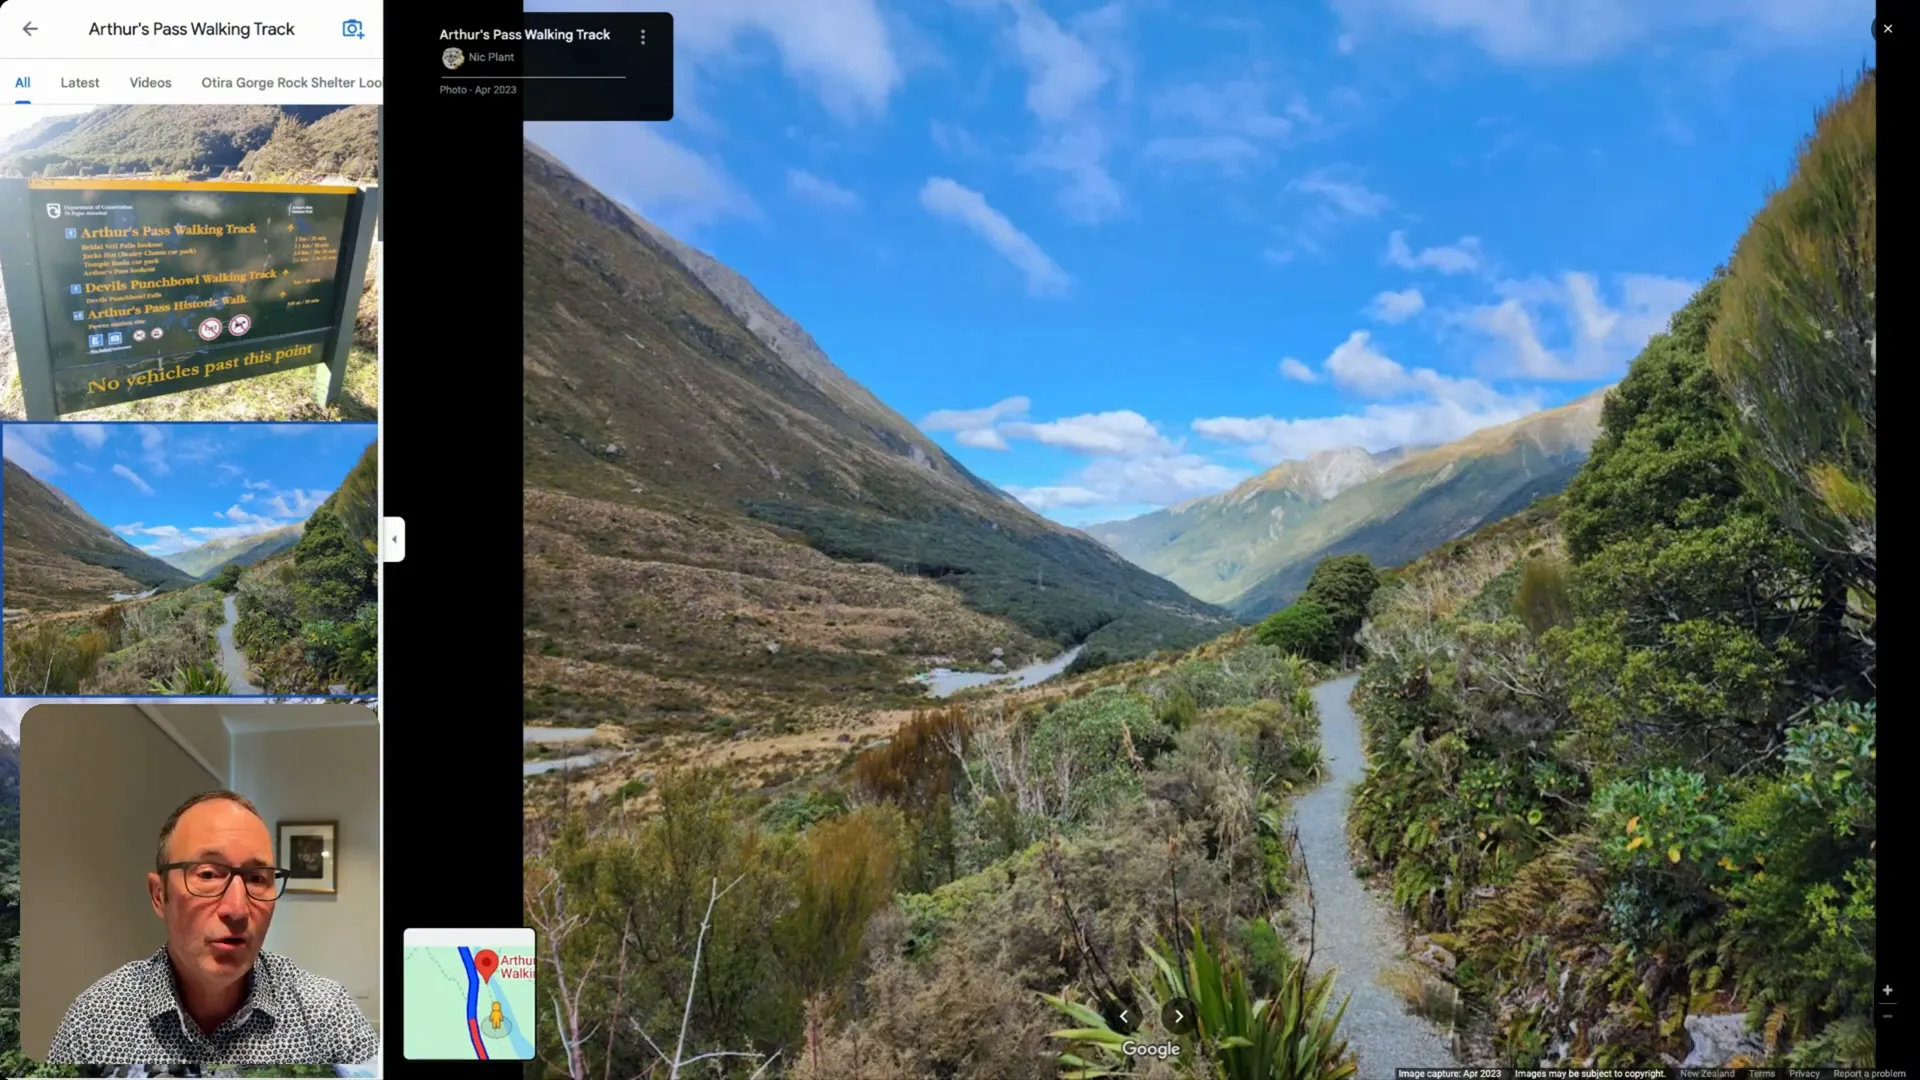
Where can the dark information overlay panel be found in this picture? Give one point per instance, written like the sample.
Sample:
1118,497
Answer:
587,66
154,288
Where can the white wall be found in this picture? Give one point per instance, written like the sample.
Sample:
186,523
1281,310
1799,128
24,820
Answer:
96,784
200,727
324,774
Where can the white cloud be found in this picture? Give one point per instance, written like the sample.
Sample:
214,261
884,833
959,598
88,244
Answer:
1553,32
1458,258
945,198
975,427
153,449
1349,197
240,516
260,485
1130,462
1053,498
1157,479
1079,154
30,446
1411,407
1356,365
134,479
839,49
1063,74
1334,198
1230,154
1292,368
1122,431
1397,307
1599,338
1270,440
1066,76
1226,124
638,166
815,189
981,439
953,139
91,436
246,496
294,505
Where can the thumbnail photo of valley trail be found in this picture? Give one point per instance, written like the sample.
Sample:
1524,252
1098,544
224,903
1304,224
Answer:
198,559
189,262
1169,548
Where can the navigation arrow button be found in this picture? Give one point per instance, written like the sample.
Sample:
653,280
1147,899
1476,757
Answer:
29,28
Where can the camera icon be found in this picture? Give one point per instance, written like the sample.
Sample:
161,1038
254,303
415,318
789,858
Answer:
353,28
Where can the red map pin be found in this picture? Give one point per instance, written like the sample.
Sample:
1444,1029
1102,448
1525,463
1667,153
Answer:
485,961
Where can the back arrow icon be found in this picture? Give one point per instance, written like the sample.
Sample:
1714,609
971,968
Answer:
29,28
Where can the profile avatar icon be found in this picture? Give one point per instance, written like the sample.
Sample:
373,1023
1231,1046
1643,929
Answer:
453,58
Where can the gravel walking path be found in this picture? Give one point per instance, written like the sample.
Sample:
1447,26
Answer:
1358,935
232,660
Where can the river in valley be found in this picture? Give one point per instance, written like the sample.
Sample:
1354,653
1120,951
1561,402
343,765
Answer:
560,736
943,683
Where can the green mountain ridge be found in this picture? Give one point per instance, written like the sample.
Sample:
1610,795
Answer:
58,556
1253,548
310,142
206,560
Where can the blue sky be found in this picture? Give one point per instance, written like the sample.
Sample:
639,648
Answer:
170,487
1115,255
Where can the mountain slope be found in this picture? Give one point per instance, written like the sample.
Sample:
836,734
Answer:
1253,548
57,557
194,140
698,491
206,560
1206,544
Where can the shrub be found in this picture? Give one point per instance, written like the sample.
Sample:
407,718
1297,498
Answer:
1304,630
1543,600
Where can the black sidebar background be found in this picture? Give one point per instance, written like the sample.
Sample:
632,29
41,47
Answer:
451,407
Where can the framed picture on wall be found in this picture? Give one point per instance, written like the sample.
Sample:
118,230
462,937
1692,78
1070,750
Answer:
307,849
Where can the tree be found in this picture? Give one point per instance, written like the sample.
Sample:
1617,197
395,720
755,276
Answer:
1305,629
1795,345
335,574
1693,604
1343,585
228,579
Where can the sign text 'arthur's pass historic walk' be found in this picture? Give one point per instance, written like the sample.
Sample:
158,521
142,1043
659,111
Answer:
154,287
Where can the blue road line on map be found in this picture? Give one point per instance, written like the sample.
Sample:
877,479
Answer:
473,995
473,984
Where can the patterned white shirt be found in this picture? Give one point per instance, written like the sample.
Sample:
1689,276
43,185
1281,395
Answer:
134,1017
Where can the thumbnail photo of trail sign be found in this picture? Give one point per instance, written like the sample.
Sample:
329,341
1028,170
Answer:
153,287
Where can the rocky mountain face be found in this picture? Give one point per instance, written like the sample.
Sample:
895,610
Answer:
1252,549
207,559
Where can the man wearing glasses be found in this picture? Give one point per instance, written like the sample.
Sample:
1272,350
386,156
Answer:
212,994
